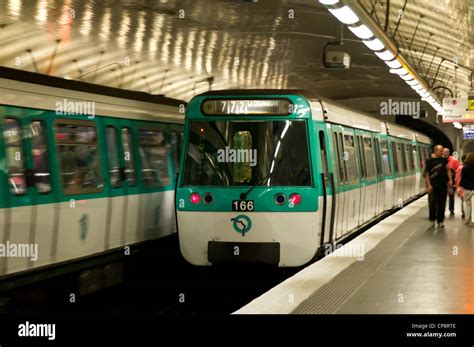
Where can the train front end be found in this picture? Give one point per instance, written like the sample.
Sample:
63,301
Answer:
246,190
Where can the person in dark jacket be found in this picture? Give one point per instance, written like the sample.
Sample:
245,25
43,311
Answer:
438,179
467,182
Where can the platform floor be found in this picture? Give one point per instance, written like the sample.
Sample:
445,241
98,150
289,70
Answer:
407,267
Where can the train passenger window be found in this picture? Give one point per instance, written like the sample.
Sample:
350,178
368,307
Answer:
79,157
154,158
396,154
322,146
385,158
421,156
40,157
404,157
350,159
14,156
128,156
113,157
412,155
344,158
362,163
175,142
368,155
339,162
377,158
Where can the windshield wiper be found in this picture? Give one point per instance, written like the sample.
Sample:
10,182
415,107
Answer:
264,180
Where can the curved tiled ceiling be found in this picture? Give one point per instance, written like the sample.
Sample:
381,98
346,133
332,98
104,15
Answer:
180,48
436,37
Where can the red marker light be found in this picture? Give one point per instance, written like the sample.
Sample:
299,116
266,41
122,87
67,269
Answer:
296,198
194,198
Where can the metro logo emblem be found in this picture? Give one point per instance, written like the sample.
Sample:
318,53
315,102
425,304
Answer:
242,224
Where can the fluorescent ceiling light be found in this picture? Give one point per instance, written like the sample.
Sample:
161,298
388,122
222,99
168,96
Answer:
457,125
412,82
362,32
407,77
344,14
328,2
425,95
375,44
385,55
394,64
417,87
400,71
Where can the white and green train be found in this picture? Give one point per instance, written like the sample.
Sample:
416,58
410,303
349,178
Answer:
272,176
85,169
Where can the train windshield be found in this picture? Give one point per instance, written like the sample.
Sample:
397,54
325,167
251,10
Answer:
247,153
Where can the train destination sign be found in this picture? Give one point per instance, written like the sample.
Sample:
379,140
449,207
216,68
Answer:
274,107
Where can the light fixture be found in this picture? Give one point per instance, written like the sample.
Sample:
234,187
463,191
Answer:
375,44
344,14
328,2
457,125
417,87
425,95
385,55
362,32
394,64
406,77
400,71
412,83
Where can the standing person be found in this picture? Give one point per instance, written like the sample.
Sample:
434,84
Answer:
438,179
457,183
467,182
453,165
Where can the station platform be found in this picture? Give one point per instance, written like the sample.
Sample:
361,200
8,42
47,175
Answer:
400,265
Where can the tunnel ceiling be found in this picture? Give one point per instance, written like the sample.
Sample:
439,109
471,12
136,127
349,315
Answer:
177,47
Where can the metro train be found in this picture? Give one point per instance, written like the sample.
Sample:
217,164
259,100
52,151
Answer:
275,177
86,169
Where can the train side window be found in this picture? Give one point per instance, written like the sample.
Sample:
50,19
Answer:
344,157
175,141
154,158
40,157
413,157
350,159
340,169
79,157
385,158
377,157
368,151
128,156
14,156
395,157
113,157
322,146
362,163
404,157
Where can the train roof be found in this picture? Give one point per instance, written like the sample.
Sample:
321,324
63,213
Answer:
36,91
57,82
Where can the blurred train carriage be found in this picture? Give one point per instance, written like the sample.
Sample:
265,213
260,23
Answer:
79,185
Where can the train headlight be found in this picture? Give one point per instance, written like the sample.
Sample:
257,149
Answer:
194,198
280,198
296,198
208,198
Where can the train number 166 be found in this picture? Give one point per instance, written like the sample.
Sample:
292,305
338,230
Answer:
242,205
